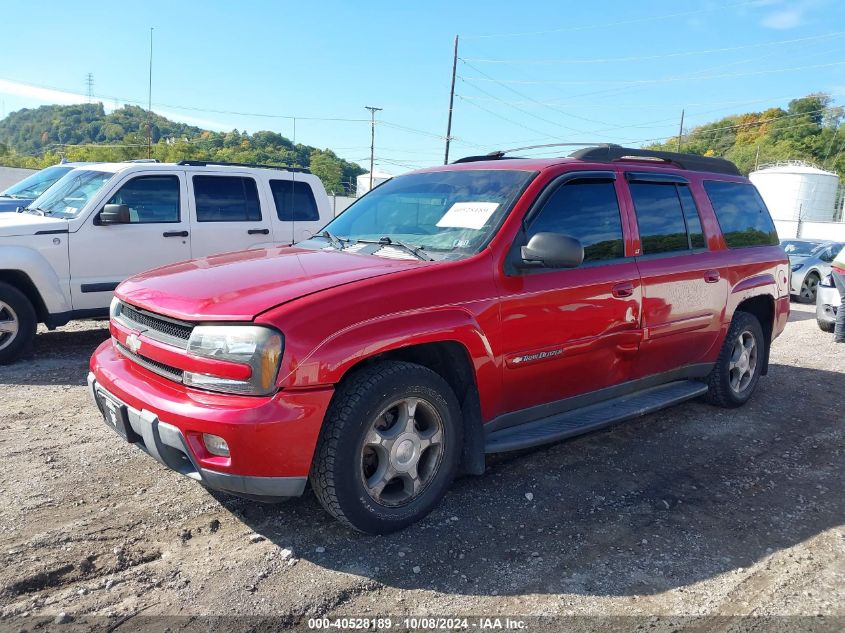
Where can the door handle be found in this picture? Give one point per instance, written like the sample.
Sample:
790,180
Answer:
258,232
712,276
623,290
175,234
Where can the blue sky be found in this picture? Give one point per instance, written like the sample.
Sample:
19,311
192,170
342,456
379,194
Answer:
530,72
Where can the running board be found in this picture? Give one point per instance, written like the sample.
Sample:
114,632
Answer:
577,421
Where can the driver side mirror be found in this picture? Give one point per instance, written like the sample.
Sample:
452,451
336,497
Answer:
552,250
115,214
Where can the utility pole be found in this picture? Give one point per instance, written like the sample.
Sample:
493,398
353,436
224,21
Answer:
89,86
681,131
451,102
150,102
373,111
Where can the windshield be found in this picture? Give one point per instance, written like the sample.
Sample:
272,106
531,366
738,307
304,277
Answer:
445,214
33,186
800,247
67,197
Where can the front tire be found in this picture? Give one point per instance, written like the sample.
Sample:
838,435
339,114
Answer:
18,322
389,447
740,363
826,326
809,288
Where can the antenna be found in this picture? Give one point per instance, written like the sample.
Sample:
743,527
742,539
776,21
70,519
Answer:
451,103
150,102
89,86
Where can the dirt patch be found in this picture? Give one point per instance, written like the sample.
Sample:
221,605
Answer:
691,511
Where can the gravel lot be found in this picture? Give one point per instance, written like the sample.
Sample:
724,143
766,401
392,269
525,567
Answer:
692,511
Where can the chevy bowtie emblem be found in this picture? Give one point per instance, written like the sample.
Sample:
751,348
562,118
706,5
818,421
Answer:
133,343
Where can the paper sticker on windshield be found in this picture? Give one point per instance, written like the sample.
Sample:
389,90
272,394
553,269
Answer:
468,215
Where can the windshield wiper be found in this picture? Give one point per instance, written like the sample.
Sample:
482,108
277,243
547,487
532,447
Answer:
416,251
37,210
333,239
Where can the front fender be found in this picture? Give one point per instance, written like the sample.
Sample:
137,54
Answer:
46,267
335,355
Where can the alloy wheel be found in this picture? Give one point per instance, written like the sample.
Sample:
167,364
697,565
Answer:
743,362
809,288
402,451
9,325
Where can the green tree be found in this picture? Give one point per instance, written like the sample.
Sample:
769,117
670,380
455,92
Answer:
327,168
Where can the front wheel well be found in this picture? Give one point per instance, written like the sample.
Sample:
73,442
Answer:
22,282
450,360
763,308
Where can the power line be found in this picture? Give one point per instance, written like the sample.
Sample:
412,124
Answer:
517,123
605,25
615,60
650,81
524,96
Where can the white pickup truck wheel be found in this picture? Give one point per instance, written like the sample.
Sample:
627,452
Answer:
17,323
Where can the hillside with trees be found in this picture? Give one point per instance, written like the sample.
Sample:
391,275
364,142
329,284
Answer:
42,136
808,129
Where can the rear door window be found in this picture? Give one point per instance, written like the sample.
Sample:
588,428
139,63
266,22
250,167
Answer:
667,217
226,199
294,200
742,214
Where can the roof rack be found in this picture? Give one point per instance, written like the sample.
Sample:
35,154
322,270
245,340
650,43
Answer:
474,159
609,152
692,162
212,163
499,154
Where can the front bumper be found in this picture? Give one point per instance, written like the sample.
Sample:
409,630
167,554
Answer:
271,439
827,303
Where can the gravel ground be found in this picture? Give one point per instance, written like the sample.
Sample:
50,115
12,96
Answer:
691,511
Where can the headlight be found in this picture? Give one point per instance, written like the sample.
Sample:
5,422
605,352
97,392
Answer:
253,345
797,267
114,308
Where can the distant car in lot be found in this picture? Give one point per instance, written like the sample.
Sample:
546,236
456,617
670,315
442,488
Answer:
99,224
22,193
809,261
827,303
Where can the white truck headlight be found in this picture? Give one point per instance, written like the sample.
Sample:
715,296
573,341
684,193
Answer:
254,345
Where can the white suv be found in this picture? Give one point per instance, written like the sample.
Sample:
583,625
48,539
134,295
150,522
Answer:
62,258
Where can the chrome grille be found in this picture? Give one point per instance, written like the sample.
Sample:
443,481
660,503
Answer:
157,327
173,373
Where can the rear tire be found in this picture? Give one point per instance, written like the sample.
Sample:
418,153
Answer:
734,378
18,322
389,447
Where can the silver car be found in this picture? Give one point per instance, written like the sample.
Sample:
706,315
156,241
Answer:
810,263
827,304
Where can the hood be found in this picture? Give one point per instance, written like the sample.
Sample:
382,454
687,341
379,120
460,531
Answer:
239,286
11,204
28,224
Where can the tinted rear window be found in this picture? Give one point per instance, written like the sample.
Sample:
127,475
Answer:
294,201
226,199
742,214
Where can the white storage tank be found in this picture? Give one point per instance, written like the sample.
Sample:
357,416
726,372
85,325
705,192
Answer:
795,188
362,184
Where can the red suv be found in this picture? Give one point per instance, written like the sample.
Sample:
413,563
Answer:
489,305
